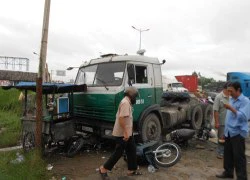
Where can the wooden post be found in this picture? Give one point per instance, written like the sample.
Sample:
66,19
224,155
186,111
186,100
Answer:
41,72
25,102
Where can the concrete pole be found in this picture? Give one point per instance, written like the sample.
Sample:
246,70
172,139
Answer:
140,40
41,73
51,75
140,31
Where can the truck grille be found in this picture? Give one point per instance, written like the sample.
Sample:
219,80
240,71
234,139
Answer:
106,113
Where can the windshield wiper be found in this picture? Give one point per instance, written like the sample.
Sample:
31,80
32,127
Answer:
103,82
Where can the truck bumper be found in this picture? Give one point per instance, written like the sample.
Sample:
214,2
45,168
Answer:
97,127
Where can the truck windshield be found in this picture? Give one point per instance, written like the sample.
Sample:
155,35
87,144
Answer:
177,85
105,74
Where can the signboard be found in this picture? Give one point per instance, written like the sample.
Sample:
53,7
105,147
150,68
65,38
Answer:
62,105
60,72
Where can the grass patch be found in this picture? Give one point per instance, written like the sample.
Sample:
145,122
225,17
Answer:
33,167
10,125
10,111
9,100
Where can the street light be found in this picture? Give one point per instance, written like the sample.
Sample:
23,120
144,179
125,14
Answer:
70,68
140,30
51,71
36,53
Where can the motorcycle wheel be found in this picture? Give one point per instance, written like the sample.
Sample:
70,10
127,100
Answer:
167,155
28,141
74,146
46,144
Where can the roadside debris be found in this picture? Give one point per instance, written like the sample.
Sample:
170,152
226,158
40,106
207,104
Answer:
151,168
53,178
199,146
49,167
10,148
19,159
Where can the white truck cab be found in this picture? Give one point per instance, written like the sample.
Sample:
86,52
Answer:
176,87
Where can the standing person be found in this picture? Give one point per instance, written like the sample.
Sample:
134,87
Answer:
219,117
236,130
123,133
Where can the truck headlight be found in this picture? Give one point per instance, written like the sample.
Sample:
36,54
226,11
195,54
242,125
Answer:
108,132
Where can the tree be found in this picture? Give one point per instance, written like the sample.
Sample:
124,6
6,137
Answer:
203,81
194,74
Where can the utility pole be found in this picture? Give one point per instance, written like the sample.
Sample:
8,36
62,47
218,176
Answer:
51,71
140,30
41,72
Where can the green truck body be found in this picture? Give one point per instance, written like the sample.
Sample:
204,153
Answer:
106,79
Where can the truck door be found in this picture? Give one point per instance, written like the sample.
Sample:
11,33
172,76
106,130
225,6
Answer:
247,88
158,83
140,75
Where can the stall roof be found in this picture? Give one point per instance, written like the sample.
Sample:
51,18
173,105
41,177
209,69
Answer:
48,88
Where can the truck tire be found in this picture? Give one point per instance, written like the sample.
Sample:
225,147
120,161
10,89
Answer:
197,117
207,114
150,128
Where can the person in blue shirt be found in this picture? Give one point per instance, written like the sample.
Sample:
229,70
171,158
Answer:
236,130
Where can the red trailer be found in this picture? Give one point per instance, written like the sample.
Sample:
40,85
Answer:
189,82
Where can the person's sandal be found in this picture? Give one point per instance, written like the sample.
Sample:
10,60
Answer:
103,175
134,173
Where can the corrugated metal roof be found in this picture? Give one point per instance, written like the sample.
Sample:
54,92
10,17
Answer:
17,75
48,88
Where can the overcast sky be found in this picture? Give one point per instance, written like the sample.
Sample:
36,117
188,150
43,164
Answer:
208,36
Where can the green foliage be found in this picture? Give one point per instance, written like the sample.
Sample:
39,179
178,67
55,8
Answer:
10,126
203,81
10,113
32,168
9,100
194,73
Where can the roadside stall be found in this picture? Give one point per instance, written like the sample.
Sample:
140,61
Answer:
58,126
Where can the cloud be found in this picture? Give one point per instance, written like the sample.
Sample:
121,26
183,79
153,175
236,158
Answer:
231,22
211,37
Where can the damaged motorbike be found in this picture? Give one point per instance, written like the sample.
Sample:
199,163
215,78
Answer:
157,154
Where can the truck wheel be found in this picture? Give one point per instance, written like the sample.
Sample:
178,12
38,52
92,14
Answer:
197,117
151,128
208,114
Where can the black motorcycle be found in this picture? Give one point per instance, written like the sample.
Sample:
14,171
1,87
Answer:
181,136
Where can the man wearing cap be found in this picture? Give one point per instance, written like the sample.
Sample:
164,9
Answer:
219,117
123,133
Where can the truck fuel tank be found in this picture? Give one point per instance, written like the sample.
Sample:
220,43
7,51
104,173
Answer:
174,115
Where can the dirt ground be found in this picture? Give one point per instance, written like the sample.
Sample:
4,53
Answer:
196,163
